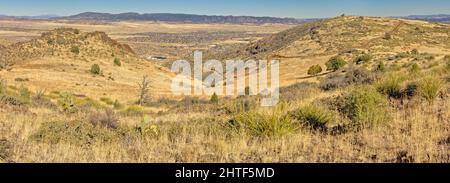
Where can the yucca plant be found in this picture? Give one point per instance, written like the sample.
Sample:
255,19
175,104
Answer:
273,124
314,116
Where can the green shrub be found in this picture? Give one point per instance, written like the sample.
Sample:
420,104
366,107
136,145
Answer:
415,52
146,129
314,70
134,110
274,124
95,69
365,107
429,87
106,100
66,102
414,68
75,50
335,63
87,103
391,85
117,62
380,67
314,116
117,105
214,99
365,58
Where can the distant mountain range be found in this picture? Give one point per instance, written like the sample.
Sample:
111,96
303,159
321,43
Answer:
38,17
191,18
169,17
442,18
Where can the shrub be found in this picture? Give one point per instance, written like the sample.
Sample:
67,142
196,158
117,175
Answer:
447,59
298,91
275,124
314,70
314,116
387,36
354,75
106,119
106,100
39,99
75,50
414,68
365,58
335,63
411,89
117,62
3,87
146,129
24,95
429,87
214,99
117,105
66,102
414,52
74,132
364,106
134,110
391,85
380,67
6,150
95,69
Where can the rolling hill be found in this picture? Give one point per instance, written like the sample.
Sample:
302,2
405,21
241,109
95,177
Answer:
350,36
60,61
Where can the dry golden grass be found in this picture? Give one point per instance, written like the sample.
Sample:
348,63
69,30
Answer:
418,133
194,130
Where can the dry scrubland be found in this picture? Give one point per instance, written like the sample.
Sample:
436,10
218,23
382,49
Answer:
381,95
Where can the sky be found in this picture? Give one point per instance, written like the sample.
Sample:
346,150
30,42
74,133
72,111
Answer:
275,8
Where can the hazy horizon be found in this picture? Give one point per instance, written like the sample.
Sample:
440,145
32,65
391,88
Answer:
283,8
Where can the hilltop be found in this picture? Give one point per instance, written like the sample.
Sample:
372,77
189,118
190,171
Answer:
65,42
60,61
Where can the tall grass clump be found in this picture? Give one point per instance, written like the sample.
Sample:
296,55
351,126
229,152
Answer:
429,87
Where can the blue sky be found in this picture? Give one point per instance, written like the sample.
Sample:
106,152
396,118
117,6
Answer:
278,8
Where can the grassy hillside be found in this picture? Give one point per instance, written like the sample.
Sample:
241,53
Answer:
61,61
383,95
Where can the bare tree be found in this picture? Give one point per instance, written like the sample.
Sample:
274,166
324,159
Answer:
144,87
